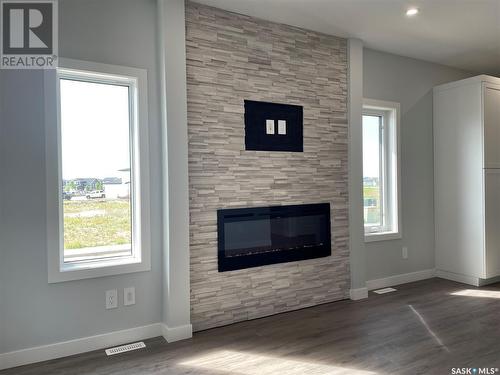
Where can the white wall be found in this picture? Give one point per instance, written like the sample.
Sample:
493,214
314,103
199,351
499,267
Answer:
409,82
33,312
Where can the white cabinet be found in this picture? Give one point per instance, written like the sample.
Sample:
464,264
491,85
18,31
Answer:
492,221
467,179
491,126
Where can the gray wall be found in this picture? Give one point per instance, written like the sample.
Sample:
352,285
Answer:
409,82
231,58
32,312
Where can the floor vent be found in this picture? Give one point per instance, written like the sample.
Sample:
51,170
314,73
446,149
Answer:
384,290
125,348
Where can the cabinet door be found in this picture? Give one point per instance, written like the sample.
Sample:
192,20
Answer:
492,222
491,118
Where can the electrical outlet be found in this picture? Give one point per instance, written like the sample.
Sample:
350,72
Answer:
282,127
129,296
405,252
269,126
111,299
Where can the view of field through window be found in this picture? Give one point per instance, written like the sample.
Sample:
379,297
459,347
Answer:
96,177
372,178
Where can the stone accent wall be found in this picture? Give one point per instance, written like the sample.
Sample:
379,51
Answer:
231,58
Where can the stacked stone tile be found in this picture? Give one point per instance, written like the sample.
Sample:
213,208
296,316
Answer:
231,58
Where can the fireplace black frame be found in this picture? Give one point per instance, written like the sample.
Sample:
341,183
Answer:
287,255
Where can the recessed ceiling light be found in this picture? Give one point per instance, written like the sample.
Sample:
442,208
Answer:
412,12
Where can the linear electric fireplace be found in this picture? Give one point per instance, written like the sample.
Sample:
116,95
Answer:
251,237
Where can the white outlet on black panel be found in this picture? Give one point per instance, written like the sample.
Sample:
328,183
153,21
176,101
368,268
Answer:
282,127
273,126
269,126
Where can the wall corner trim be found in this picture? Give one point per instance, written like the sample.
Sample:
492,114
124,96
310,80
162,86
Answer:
175,203
78,346
172,334
401,279
357,294
355,164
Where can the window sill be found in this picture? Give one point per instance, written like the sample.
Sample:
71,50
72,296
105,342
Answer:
382,236
79,270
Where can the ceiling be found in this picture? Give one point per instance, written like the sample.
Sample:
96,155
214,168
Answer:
459,33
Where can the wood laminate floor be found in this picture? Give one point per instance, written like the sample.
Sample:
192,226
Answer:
427,327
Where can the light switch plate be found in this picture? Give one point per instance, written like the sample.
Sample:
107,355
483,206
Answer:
129,296
405,252
269,126
282,127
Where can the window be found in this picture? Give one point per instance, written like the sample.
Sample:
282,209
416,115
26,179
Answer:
381,201
101,191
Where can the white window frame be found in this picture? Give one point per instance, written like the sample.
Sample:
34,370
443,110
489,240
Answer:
140,260
391,170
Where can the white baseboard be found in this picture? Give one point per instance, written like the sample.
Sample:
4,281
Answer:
87,344
492,280
172,334
357,294
400,279
465,279
470,280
